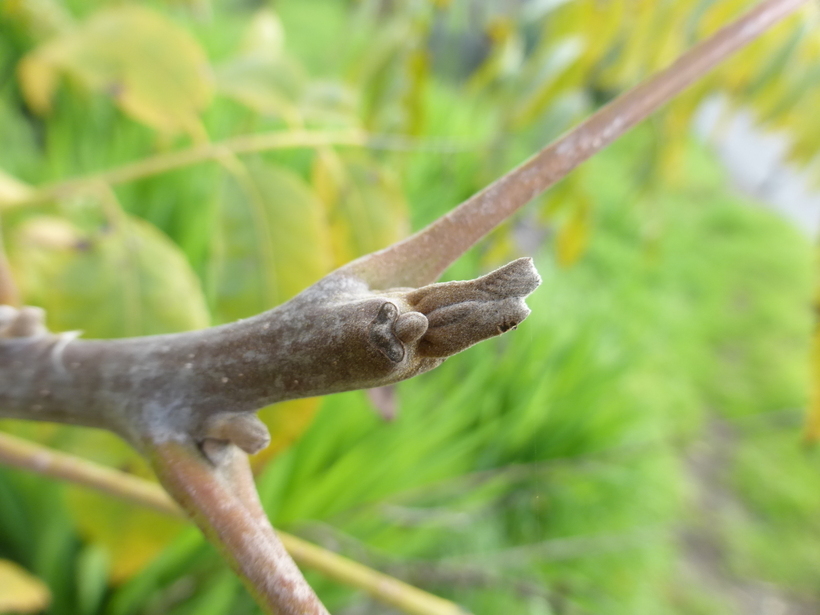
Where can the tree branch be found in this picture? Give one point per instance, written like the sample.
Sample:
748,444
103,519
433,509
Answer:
422,258
186,401
221,498
337,335
47,462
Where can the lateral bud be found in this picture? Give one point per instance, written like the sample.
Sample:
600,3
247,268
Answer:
245,430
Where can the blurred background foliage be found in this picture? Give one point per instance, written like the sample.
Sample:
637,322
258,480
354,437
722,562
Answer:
632,448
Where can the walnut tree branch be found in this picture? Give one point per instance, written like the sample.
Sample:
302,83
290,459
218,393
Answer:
388,590
187,401
422,258
337,335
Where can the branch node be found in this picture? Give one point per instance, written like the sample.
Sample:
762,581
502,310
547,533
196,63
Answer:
382,333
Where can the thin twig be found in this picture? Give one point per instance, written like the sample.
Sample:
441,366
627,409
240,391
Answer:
217,491
415,262
242,144
53,464
422,258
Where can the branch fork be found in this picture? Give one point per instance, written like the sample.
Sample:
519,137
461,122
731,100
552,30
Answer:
187,401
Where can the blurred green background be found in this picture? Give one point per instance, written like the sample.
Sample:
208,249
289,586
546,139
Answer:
634,447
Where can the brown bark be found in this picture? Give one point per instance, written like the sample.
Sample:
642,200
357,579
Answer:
204,385
187,400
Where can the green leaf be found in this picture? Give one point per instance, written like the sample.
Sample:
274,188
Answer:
215,598
153,69
287,421
265,35
125,537
543,88
263,77
55,546
20,592
185,552
505,56
92,578
272,242
267,80
812,429
266,84
124,280
131,535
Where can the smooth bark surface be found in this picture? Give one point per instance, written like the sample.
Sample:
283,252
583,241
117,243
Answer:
187,401
205,385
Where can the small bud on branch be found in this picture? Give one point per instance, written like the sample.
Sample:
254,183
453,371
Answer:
184,400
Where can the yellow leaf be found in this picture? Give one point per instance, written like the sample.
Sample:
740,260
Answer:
364,203
718,14
501,247
38,81
273,239
154,70
327,175
12,190
124,280
565,194
132,535
20,592
418,72
573,236
287,422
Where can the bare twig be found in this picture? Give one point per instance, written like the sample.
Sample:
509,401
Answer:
42,460
47,462
335,336
186,401
422,258
220,497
